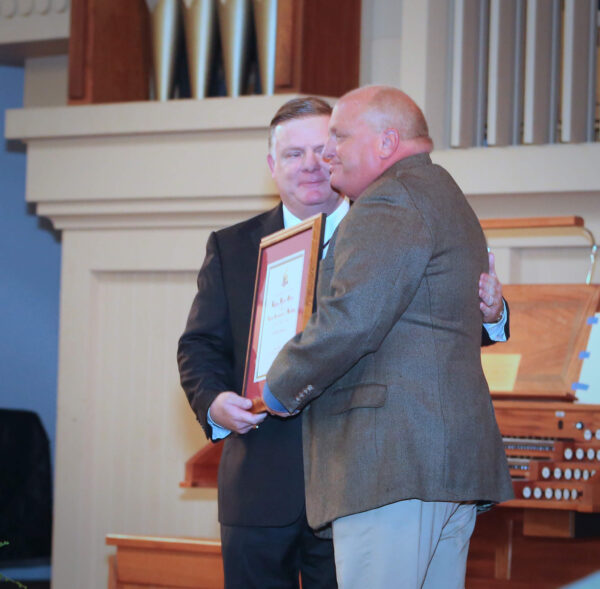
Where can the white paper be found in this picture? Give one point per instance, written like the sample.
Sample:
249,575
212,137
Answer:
280,306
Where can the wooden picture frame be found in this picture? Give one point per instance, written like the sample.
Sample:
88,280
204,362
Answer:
284,296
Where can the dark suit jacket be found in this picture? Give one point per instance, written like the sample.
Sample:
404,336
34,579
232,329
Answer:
390,362
260,476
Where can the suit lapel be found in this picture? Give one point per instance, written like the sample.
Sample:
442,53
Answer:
271,222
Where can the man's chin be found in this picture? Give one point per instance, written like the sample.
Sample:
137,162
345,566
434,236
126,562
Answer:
335,186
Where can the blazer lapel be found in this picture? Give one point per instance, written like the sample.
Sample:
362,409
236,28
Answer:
271,222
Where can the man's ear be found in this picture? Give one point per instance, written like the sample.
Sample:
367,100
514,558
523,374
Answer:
271,163
390,139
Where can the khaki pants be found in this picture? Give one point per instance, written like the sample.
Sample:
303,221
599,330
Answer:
408,544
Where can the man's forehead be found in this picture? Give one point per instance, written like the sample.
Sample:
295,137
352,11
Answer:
345,109
307,130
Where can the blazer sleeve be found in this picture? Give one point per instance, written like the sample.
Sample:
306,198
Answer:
367,295
485,338
205,351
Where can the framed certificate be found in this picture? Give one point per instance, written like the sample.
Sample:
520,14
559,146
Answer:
284,294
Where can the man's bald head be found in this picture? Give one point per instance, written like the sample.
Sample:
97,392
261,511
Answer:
372,128
386,107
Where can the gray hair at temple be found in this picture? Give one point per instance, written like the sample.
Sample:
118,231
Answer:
299,108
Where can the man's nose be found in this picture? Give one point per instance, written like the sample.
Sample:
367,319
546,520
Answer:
328,150
311,160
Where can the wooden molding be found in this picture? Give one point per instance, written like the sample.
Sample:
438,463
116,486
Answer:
532,222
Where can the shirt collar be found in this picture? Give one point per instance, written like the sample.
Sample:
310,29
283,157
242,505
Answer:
331,221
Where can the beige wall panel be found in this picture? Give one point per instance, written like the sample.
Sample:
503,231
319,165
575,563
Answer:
187,165
46,80
386,62
124,426
381,42
541,256
549,264
29,29
544,169
555,265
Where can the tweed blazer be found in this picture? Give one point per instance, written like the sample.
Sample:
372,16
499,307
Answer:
388,370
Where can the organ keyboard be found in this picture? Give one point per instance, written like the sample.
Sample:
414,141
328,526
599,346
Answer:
559,466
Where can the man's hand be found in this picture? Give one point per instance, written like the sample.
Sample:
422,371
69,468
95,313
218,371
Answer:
232,412
490,294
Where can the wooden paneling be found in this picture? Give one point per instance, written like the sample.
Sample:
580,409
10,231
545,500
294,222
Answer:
287,44
548,523
109,51
77,50
502,556
330,46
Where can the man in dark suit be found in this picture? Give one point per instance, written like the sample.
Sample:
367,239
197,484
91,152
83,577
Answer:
266,539
400,438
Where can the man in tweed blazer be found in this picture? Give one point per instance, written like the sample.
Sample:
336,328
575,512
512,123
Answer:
400,438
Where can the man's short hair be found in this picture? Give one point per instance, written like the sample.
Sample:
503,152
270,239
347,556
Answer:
299,108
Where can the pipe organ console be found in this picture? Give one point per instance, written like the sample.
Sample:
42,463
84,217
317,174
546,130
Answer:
549,534
558,470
